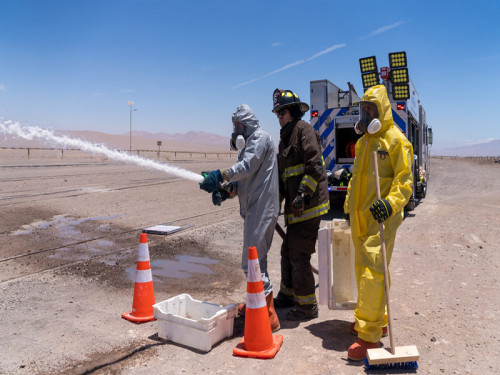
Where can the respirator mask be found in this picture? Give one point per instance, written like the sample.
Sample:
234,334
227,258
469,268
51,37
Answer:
237,141
368,121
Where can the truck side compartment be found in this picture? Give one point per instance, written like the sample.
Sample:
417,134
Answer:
334,113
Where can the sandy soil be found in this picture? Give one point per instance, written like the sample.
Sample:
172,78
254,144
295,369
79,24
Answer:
61,296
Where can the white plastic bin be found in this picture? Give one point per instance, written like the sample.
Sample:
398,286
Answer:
337,280
194,323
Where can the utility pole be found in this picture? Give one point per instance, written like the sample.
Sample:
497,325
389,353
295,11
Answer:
131,104
159,145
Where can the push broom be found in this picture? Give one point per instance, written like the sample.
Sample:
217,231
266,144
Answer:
399,356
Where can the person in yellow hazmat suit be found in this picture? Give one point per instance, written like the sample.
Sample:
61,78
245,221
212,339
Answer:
395,156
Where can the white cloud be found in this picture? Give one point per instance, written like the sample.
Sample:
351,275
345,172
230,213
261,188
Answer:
476,142
288,66
2,87
276,44
383,29
325,51
128,90
483,59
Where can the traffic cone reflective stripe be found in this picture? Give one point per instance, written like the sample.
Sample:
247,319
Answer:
255,289
258,341
143,254
144,298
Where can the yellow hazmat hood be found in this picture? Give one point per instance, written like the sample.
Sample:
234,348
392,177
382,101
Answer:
378,95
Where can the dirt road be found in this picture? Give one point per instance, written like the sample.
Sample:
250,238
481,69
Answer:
69,238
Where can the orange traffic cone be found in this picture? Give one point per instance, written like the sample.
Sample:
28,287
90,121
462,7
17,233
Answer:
258,341
144,296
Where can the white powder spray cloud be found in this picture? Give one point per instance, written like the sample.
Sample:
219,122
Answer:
47,136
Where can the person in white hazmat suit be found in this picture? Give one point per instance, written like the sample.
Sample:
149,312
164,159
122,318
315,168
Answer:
254,179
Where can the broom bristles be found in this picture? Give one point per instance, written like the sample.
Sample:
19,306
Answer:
397,365
403,357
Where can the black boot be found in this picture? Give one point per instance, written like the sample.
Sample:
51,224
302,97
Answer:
303,312
283,302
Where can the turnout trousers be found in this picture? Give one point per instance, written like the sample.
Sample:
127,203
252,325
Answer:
297,279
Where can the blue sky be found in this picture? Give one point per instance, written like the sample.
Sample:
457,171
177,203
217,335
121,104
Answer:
74,65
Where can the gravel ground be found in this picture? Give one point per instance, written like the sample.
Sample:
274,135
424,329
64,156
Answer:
61,299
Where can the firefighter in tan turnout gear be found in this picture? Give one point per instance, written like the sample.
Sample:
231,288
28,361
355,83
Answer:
303,187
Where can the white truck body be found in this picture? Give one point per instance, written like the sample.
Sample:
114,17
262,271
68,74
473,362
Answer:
410,117
334,113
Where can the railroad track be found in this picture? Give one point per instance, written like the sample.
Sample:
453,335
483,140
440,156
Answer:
78,191
73,175
111,237
11,195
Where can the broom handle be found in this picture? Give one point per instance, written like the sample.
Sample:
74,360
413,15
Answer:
384,258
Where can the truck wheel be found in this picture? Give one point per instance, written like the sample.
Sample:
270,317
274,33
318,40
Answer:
410,206
423,191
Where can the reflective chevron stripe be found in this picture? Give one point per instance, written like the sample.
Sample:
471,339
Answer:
295,170
310,182
306,300
308,214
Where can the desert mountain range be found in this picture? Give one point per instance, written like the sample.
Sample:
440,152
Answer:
491,148
141,140
202,141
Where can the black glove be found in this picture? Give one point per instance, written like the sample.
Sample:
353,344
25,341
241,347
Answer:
345,175
229,188
381,210
212,180
219,196
298,205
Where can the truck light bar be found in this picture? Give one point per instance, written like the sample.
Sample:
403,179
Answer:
370,79
368,64
401,92
397,59
369,71
398,76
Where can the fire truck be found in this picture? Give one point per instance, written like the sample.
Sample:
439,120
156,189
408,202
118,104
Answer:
335,111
